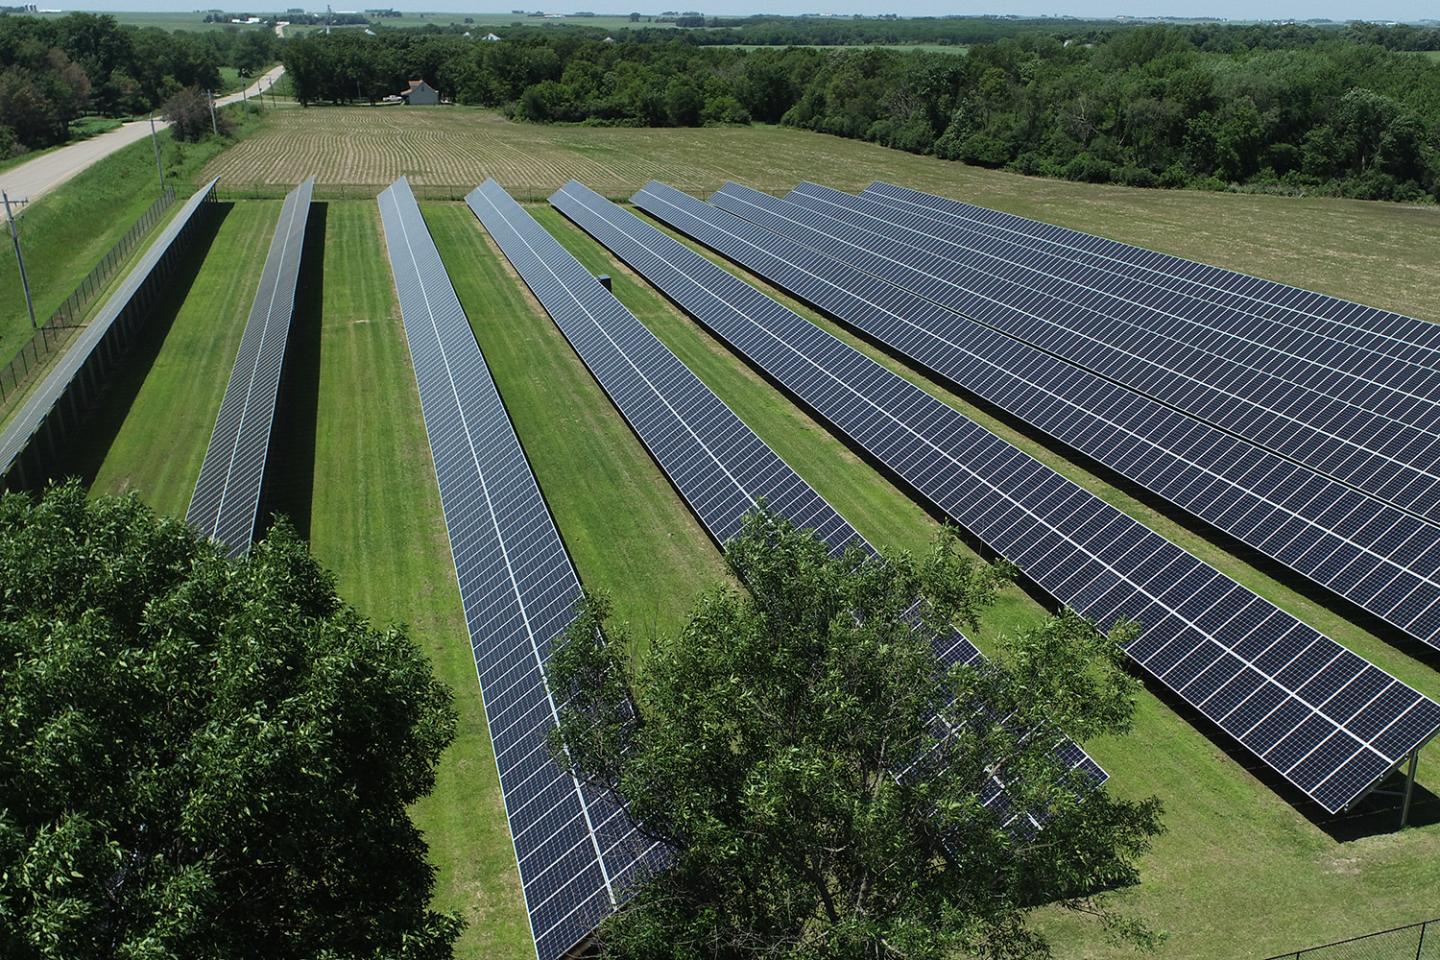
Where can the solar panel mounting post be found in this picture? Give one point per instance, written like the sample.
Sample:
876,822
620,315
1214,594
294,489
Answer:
1409,788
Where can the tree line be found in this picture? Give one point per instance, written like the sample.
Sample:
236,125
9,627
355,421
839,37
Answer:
1207,107
55,70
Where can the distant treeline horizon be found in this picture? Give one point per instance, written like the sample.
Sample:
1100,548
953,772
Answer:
1288,109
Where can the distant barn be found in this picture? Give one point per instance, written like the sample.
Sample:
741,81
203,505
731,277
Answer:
420,94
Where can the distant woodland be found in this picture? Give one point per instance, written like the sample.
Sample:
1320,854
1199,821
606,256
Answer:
1287,109
1347,110
53,71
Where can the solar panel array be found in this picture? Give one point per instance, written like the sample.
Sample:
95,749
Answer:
44,415
1307,314
1319,716
1337,425
226,503
576,849
1382,559
719,466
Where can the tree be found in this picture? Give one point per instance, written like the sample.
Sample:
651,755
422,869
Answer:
765,755
189,111
203,758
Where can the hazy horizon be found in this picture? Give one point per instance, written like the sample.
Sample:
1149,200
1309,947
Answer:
1339,10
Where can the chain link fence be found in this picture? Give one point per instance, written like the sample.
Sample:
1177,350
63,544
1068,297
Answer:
1418,941
70,315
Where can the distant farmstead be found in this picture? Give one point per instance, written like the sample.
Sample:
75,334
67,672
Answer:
420,94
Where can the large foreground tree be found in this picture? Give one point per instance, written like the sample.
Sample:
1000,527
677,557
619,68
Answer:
203,758
787,752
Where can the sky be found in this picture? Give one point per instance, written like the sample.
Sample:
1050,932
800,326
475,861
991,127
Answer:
1233,9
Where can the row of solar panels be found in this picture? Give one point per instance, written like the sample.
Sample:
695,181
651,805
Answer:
1318,715
1380,558
1272,373
37,430
226,503
719,466
575,851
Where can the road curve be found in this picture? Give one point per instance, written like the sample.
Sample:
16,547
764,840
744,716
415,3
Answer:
32,180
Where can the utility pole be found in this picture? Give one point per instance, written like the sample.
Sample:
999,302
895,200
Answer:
159,167
214,128
24,280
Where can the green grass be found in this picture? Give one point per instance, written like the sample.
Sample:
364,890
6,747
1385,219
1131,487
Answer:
354,469
154,443
67,231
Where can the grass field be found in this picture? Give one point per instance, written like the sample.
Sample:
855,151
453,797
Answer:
1382,254
1241,872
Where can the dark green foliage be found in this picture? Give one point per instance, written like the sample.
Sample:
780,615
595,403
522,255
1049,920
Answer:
1305,110
202,758
53,70
189,111
770,732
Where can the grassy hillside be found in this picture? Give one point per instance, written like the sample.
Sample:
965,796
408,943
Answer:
66,232
1382,254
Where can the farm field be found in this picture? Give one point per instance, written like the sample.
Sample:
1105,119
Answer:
1242,869
1377,253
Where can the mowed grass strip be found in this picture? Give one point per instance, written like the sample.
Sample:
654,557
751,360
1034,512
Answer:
627,530
1240,867
355,462
149,430
1376,253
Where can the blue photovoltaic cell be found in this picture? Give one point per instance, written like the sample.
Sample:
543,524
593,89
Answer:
721,468
577,851
226,503
81,354
1196,623
1289,316
1382,559
1334,424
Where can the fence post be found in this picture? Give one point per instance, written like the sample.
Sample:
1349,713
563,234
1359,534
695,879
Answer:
1420,946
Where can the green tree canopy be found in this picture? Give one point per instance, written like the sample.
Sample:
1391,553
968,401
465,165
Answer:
787,752
203,758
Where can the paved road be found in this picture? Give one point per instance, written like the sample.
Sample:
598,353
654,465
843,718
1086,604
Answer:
32,180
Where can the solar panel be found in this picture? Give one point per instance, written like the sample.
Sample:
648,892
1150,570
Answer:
1367,328
576,849
28,444
1324,719
721,467
1378,557
1319,426
226,503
